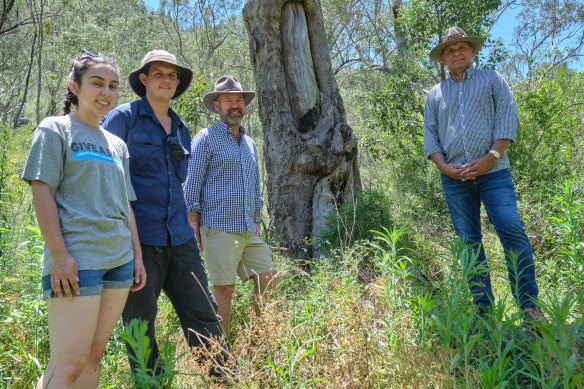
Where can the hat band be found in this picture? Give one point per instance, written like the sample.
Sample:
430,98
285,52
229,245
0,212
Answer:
452,37
228,90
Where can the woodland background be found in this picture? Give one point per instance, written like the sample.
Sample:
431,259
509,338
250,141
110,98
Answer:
386,305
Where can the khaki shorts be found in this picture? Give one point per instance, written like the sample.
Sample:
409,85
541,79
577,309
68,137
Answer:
228,254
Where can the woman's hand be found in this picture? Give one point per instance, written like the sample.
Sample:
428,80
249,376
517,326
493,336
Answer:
139,275
64,275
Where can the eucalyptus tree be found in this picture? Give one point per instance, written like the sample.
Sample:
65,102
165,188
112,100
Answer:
549,33
309,149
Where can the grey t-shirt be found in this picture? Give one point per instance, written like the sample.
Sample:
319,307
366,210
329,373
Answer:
89,170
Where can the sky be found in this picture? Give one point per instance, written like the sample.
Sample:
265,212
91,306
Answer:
503,28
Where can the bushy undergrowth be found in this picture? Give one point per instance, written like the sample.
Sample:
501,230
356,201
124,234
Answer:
388,307
355,221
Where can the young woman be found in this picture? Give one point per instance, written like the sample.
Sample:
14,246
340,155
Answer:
81,190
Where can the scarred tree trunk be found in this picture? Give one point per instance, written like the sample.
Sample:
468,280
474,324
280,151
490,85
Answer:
310,151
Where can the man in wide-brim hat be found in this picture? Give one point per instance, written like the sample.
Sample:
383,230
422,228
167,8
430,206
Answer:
455,35
160,143
183,74
223,197
470,120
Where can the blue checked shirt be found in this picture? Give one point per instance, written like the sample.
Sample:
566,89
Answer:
463,119
223,181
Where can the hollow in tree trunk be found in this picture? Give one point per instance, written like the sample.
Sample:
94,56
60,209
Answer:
309,149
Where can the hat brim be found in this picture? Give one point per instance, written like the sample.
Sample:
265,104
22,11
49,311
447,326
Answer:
185,76
210,97
475,41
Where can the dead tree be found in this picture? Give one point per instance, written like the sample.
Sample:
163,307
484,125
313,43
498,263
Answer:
310,151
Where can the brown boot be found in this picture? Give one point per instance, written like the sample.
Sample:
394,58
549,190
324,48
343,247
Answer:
534,313
534,317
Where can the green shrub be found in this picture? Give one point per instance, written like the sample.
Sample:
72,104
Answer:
355,221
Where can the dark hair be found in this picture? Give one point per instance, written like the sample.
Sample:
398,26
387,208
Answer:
78,68
146,68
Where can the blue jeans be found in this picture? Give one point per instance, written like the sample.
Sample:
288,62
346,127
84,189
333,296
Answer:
497,193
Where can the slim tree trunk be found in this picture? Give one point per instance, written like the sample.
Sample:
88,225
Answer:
39,19
310,151
16,116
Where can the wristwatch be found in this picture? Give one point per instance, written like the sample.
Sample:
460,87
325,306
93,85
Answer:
495,153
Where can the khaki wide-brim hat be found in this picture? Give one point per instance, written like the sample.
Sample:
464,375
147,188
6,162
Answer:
185,75
226,84
454,35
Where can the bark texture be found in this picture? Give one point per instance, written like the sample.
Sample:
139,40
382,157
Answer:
310,152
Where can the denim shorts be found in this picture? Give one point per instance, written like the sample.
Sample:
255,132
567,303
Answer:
92,282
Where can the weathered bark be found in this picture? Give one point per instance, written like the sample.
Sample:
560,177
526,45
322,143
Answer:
310,151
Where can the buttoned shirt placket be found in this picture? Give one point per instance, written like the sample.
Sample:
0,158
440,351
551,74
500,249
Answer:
461,89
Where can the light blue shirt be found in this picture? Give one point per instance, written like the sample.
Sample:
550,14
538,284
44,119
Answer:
463,119
223,181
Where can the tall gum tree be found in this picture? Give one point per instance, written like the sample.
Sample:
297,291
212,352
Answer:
310,151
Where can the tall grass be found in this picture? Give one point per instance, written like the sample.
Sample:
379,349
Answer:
371,314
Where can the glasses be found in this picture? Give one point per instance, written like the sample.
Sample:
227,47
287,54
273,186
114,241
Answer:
88,54
177,152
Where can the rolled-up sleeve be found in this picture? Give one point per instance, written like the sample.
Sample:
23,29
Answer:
506,114
431,137
198,163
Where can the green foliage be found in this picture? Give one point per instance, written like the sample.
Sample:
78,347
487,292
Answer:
354,221
568,204
549,141
190,105
553,352
397,109
365,316
548,34
163,373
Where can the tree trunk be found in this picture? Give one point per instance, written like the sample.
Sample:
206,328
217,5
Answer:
310,151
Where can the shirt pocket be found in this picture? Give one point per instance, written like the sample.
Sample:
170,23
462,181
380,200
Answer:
146,152
181,167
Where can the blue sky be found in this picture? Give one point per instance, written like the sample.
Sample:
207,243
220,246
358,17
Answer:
503,28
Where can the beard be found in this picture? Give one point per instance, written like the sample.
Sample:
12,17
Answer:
231,120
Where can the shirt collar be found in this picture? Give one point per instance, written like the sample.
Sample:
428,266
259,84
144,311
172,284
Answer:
146,109
468,73
224,127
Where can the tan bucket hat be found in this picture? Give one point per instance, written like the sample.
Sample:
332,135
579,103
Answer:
185,75
454,35
226,84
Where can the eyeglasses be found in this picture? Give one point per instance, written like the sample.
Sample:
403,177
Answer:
88,54
177,152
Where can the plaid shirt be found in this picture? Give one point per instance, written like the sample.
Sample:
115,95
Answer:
223,182
463,119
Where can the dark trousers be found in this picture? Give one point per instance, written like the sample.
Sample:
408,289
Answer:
173,269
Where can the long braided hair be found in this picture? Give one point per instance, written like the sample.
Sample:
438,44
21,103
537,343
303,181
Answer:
78,68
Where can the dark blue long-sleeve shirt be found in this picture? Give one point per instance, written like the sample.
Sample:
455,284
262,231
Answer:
157,175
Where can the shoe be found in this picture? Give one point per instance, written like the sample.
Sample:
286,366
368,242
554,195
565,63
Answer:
535,314
534,317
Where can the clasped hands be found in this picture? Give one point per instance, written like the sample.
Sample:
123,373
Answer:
471,170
